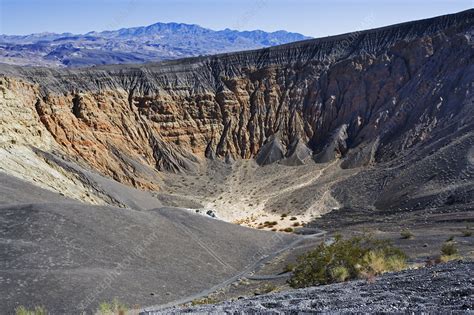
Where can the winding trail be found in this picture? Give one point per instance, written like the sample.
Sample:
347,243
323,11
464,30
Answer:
156,309
270,277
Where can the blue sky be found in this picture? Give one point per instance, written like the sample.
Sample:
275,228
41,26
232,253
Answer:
314,18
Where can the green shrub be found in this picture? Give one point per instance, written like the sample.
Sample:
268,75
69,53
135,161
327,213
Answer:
346,259
112,308
406,234
449,249
449,252
289,267
21,310
38,310
339,274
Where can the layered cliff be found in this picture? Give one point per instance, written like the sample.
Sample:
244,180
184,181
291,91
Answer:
367,97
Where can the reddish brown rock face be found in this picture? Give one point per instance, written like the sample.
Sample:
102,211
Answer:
384,93
94,128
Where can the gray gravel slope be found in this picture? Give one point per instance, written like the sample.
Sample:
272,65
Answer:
70,256
445,288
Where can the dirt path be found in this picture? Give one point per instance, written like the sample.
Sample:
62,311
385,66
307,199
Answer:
251,269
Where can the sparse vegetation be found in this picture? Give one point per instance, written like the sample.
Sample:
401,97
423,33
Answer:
296,224
37,310
293,218
267,224
449,252
406,234
288,230
289,267
339,274
267,288
112,308
284,215
467,232
206,300
347,259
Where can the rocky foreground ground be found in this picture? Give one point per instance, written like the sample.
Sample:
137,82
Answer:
444,288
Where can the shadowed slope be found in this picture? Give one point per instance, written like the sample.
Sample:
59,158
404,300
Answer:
69,256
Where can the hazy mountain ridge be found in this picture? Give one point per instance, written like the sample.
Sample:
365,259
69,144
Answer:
159,41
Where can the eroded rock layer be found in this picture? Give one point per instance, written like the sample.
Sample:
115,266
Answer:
367,96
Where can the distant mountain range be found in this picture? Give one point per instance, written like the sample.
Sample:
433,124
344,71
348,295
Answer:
156,42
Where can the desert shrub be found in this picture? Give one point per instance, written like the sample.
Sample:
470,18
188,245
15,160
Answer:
375,262
450,239
406,234
203,301
449,249
449,252
346,259
467,232
112,308
288,230
339,274
396,262
38,310
289,267
296,224
293,218
269,224
284,215
21,310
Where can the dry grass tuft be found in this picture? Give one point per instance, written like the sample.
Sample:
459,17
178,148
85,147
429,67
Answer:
37,310
406,234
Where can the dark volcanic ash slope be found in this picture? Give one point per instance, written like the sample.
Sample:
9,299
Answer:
444,289
69,256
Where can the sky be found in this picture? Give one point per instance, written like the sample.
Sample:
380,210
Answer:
312,18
